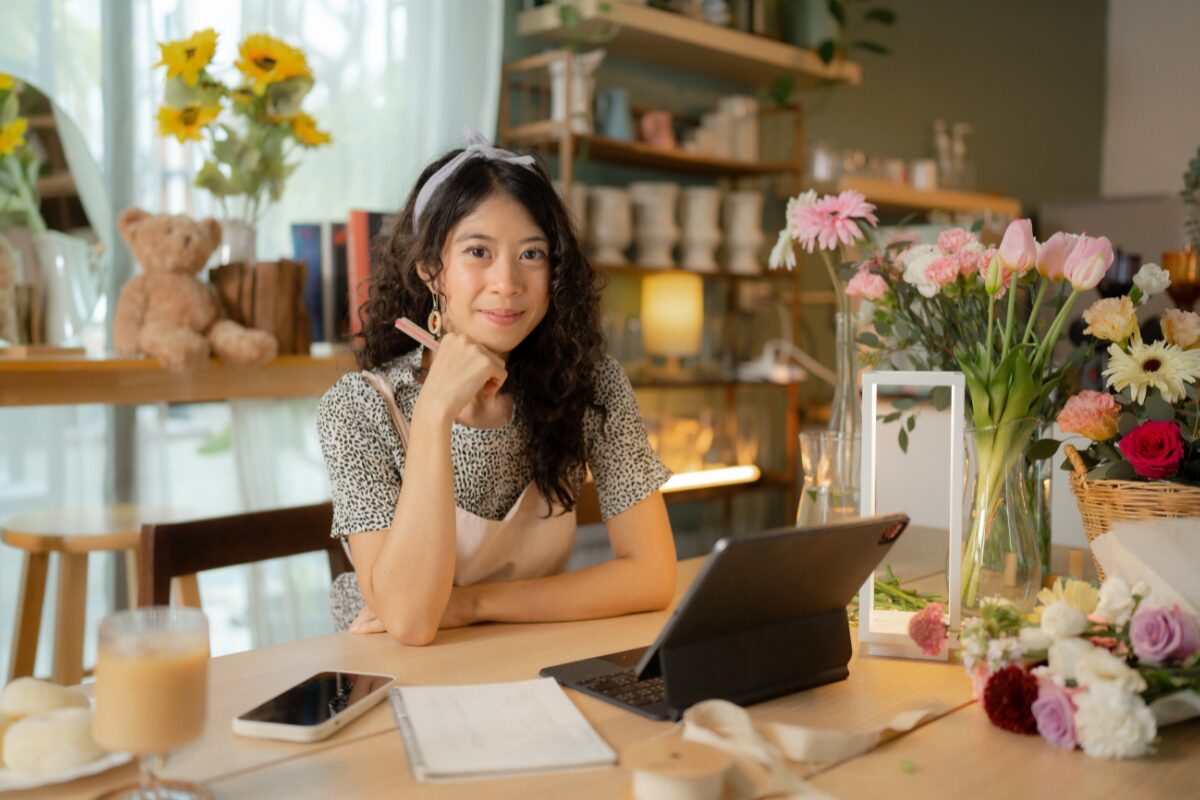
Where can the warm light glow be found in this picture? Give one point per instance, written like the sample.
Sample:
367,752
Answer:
708,478
672,313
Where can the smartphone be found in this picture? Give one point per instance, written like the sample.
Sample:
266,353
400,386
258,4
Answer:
314,708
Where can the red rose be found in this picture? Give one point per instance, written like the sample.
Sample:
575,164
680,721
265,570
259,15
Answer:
1155,449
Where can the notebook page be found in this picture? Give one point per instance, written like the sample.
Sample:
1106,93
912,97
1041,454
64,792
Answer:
522,726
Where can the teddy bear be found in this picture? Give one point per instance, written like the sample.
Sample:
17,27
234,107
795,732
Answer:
166,311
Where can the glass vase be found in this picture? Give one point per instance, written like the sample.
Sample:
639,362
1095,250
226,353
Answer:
845,418
1002,559
831,478
1038,476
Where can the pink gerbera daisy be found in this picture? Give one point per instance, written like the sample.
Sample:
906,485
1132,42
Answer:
831,220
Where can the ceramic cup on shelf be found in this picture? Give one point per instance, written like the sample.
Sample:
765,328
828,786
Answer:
700,209
610,230
743,231
655,230
743,111
613,117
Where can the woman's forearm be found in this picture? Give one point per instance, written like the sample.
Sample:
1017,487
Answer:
620,586
414,571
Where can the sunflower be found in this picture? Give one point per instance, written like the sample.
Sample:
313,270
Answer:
1159,365
304,128
186,59
12,135
185,123
266,60
6,81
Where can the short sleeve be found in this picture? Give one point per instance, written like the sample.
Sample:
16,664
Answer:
626,470
364,479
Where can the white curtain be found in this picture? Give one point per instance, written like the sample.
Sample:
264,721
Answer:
395,82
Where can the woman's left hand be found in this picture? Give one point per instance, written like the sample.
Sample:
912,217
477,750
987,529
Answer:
458,614
367,622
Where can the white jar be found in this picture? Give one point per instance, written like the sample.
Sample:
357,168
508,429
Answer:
700,209
611,229
743,232
583,84
655,230
743,110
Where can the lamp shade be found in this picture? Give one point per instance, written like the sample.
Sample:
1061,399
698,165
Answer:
672,313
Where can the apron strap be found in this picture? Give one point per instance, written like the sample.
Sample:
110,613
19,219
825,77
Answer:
384,387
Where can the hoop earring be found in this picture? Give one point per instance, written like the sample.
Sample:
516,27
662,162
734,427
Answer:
434,322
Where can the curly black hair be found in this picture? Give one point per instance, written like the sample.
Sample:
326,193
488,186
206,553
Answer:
552,373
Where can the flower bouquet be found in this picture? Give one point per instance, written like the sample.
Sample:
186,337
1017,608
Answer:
1101,670
249,159
19,167
996,314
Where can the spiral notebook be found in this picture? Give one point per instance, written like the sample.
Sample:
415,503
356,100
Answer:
494,730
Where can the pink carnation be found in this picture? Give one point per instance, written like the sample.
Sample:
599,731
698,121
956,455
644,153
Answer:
953,240
928,629
942,271
866,284
831,220
1091,414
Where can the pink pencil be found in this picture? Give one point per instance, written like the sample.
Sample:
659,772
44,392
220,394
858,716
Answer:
406,325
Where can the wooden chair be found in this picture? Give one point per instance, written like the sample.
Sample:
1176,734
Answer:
181,549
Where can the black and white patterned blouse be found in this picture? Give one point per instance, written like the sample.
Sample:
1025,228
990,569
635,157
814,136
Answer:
365,457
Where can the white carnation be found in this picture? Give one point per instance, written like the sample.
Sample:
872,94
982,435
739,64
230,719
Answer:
1034,639
1111,723
1099,667
1064,655
973,642
1002,652
783,254
1061,620
1116,601
1152,279
915,260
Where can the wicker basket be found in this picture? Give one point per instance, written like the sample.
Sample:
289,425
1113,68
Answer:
1101,502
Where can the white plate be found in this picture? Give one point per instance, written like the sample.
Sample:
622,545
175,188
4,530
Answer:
11,781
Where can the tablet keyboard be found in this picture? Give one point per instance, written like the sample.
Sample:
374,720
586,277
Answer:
624,687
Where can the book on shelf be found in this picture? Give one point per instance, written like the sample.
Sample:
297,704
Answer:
306,248
494,730
362,229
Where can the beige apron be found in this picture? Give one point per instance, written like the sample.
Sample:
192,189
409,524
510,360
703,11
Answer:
525,544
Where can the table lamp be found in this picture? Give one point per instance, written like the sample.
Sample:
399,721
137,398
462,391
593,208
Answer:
672,317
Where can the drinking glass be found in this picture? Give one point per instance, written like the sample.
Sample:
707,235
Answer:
831,477
152,693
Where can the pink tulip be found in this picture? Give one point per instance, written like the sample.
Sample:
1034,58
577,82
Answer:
1018,249
1052,254
1087,262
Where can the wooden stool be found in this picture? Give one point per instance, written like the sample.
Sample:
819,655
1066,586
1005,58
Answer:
73,533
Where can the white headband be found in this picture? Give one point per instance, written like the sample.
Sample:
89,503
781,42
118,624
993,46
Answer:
477,147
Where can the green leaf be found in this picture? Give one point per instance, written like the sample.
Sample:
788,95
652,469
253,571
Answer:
941,397
903,440
884,16
910,423
1158,409
1126,422
838,11
10,109
826,50
904,403
870,47
212,179
892,417
869,339
1042,449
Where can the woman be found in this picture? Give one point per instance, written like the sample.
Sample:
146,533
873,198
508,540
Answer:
454,473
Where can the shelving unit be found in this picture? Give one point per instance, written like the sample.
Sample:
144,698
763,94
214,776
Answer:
673,40
901,197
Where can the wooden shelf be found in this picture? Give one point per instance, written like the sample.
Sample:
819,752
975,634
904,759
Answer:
899,196
638,154
74,379
677,41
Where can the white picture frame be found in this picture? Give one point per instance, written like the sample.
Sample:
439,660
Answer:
884,632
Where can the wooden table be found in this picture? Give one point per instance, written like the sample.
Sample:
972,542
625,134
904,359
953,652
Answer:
958,749
59,380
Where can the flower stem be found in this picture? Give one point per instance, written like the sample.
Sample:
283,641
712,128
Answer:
1037,304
